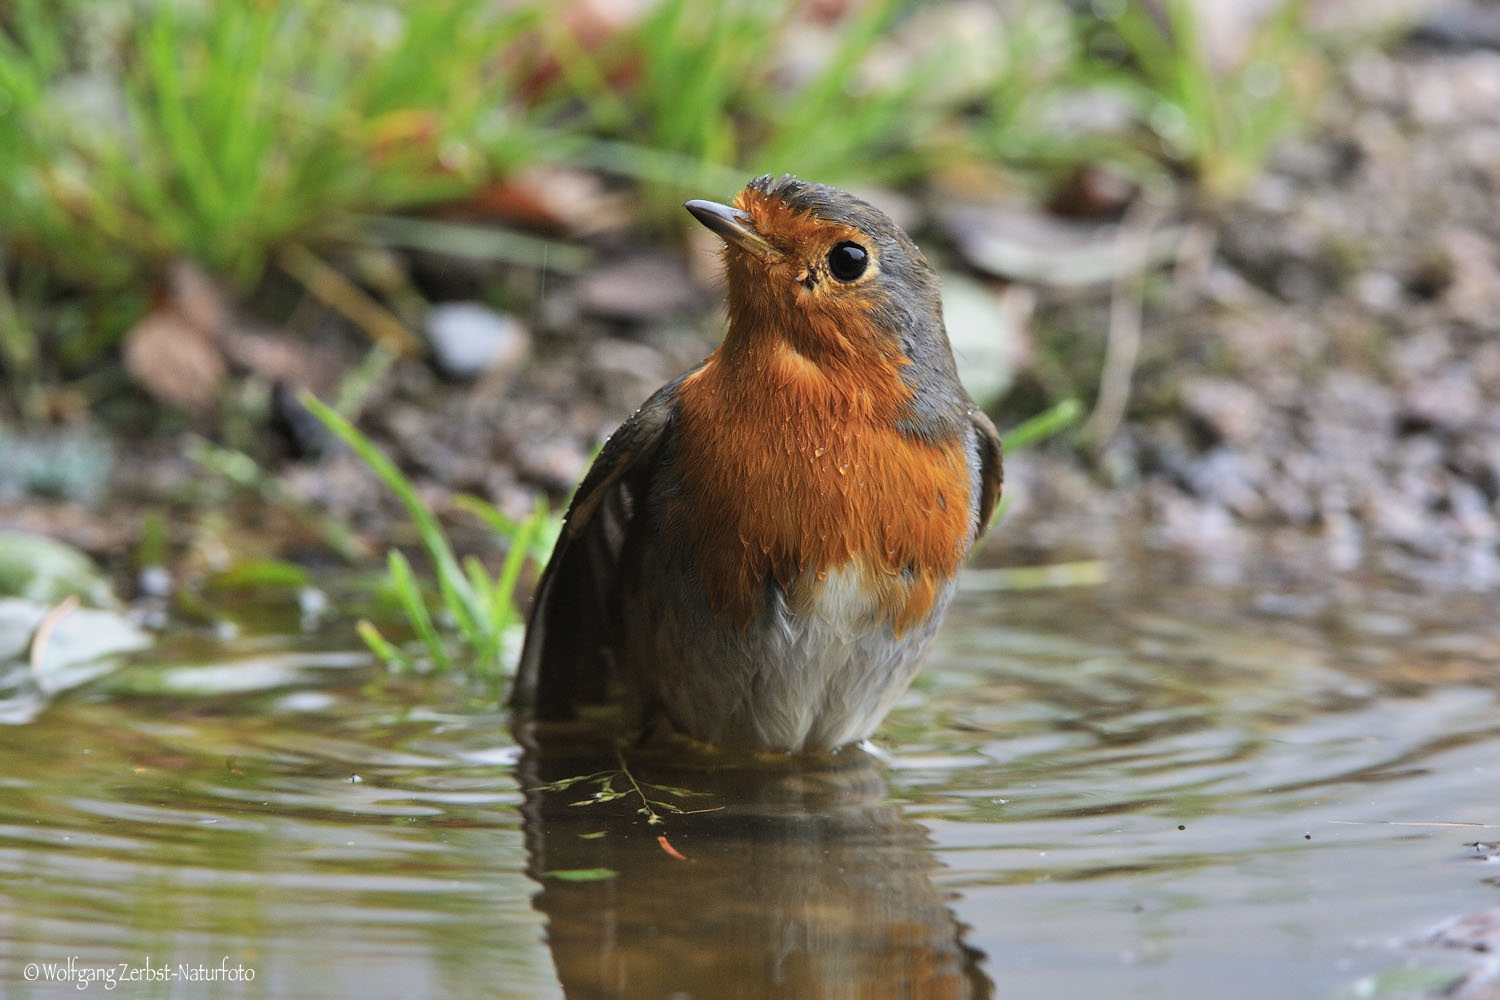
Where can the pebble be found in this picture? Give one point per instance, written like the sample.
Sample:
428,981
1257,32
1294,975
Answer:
556,465
154,581
469,339
1378,292
1450,401
1231,410
638,289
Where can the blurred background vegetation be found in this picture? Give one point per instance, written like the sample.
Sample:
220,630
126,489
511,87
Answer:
243,136
458,222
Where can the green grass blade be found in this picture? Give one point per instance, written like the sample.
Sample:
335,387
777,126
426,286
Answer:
383,648
521,544
487,642
1042,426
409,594
460,601
542,539
479,579
449,574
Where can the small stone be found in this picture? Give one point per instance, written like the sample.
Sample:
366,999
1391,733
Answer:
625,371
1373,78
154,581
1403,520
1021,244
1460,24
1274,194
614,358
312,603
60,465
1451,401
556,464
1230,410
1378,292
639,289
469,339
175,361
1231,479
1300,283
279,356
1477,460
1471,512
1475,932
1290,502
1473,271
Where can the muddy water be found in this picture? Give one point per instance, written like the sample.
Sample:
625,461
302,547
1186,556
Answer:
1124,791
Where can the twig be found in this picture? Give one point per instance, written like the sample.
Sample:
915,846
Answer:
43,634
1126,309
652,816
605,780
343,295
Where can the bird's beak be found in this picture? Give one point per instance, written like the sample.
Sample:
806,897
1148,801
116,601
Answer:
734,227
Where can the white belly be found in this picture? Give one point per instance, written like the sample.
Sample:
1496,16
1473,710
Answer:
792,682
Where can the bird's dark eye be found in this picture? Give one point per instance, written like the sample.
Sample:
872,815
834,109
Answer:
848,261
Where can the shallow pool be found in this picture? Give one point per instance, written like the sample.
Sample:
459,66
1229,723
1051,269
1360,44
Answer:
1135,790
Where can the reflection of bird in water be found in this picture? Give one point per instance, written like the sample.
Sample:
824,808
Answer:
802,881
762,554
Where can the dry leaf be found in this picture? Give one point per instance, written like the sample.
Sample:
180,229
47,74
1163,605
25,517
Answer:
174,361
554,200
196,297
280,357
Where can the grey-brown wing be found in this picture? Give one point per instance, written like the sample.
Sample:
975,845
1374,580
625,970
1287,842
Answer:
991,466
564,662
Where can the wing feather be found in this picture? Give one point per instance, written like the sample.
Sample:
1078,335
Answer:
565,659
991,466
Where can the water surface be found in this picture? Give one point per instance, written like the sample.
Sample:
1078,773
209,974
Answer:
1124,791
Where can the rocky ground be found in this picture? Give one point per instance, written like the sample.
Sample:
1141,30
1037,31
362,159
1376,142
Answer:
1322,385
1312,390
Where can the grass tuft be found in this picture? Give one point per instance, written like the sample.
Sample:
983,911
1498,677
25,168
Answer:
133,134
481,608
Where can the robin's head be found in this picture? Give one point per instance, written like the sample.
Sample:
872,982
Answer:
831,277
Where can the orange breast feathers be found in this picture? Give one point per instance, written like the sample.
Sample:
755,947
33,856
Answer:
793,469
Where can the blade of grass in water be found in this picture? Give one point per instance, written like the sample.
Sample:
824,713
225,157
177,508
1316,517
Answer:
510,572
482,609
487,648
410,596
384,648
422,517
539,540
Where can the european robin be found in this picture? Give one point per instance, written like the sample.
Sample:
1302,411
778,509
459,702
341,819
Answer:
761,555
